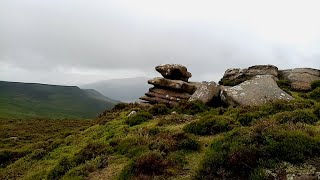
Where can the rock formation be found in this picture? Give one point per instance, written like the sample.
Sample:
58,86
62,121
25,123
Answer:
172,88
257,91
251,86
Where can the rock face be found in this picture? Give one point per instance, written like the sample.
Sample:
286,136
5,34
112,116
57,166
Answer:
301,78
236,76
174,87
257,91
205,92
174,71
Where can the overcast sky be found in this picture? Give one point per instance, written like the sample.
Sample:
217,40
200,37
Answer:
76,42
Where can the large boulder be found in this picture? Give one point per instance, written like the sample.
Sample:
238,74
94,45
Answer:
173,84
174,72
301,78
205,92
259,90
236,76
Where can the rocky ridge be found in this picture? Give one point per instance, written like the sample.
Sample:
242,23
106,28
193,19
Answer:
254,85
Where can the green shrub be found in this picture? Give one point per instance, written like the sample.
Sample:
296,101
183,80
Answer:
138,118
120,106
90,151
316,112
258,174
38,154
191,107
315,94
243,151
315,84
8,156
297,116
246,118
149,164
64,165
154,131
209,125
285,85
159,109
189,144
131,146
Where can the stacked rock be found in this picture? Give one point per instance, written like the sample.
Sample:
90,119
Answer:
172,87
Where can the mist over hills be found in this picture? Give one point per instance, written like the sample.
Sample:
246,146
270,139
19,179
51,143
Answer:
21,100
126,90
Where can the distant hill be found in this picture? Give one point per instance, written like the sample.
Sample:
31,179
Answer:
20,100
127,90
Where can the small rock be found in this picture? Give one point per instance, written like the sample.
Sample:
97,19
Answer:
132,113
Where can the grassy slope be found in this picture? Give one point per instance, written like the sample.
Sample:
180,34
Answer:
111,149
23,100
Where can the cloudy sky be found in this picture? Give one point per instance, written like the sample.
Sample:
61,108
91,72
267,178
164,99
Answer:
81,41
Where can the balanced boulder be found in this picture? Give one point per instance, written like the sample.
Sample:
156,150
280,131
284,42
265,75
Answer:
174,71
259,90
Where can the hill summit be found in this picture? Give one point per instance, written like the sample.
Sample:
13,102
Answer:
257,123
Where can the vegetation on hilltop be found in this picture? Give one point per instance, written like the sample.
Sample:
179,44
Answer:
189,141
26,100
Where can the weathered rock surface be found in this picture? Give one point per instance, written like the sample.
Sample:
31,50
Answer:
205,92
236,76
301,78
173,84
170,93
171,89
154,100
257,91
174,72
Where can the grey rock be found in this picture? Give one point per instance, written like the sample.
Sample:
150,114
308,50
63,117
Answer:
179,85
259,90
132,113
205,92
301,78
174,72
238,75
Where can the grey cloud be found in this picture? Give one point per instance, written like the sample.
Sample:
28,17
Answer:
46,35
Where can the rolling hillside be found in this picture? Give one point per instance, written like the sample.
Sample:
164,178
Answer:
126,90
21,100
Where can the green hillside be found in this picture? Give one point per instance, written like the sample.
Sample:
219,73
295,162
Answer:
188,141
23,100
